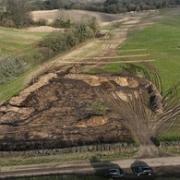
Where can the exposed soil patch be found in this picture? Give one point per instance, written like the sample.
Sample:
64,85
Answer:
65,106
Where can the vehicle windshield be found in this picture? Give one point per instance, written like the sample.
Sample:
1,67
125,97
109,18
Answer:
115,171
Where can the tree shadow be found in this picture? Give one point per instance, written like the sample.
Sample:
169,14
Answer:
139,163
101,168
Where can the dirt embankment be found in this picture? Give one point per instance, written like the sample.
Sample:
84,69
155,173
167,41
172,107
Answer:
64,106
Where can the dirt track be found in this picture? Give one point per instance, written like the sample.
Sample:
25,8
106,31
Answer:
166,165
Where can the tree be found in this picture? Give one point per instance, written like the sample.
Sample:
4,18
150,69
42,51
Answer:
146,115
116,6
17,11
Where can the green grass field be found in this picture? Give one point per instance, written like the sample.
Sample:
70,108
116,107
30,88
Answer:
162,41
18,42
14,41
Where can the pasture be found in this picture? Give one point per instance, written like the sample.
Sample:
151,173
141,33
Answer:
17,42
162,41
14,41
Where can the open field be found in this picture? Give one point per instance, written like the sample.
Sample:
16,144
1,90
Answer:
14,41
162,42
18,42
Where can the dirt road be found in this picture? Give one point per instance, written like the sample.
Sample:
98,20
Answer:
160,165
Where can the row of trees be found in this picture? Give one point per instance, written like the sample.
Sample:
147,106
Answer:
118,6
67,4
109,6
50,4
58,42
14,13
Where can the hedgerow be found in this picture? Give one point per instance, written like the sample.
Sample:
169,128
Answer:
59,42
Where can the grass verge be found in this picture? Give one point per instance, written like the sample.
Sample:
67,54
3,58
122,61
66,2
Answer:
63,158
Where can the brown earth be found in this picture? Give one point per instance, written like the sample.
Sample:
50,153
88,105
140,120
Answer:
65,106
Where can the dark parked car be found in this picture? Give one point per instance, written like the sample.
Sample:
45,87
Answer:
142,170
115,173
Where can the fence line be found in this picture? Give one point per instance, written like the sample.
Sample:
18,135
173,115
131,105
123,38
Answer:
116,147
111,148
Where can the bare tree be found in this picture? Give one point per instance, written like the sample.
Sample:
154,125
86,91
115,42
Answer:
144,119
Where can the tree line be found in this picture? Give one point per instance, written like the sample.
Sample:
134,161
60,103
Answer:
109,6
66,4
119,6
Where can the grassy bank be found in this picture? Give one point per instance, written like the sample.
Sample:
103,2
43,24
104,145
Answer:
63,158
17,43
14,41
162,42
